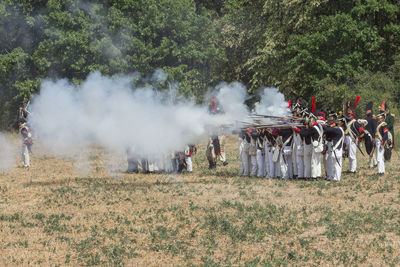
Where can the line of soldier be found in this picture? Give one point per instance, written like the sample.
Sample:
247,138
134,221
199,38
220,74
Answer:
299,152
287,153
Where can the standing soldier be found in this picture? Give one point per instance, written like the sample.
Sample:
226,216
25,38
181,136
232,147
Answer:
210,153
260,154
286,152
26,142
270,146
334,137
390,123
354,133
380,141
253,152
244,145
305,133
297,154
298,149
370,130
316,132
189,150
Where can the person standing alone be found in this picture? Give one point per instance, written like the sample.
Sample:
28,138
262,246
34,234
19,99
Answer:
26,142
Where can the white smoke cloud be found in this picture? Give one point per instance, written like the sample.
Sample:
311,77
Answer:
272,103
8,153
106,111
116,114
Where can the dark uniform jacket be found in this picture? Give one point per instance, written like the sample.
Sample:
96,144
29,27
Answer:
333,134
371,126
384,133
357,130
306,135
286,133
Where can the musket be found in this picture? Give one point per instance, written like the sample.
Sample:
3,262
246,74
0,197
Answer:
258,125
276,117
359,148
271,126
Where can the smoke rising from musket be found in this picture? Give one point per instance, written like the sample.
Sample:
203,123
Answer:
272,103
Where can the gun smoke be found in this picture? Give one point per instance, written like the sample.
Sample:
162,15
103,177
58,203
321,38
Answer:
8,153
118,114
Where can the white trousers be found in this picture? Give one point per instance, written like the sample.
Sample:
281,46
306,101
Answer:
240,148
189,165
222,141
380,155
329,162
25,156
325,162
334,171
286,163
338,166
307,160
352,147
294,161
300,165
316,159
271,164
266,161
260,164
244,158
253,165
372,161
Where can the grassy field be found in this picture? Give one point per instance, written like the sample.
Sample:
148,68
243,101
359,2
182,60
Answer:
57,214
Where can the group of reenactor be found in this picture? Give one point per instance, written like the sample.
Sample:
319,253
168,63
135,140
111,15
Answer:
290,150
297,148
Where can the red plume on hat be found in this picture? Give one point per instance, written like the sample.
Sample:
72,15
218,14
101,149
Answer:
289,104
357,99
313,104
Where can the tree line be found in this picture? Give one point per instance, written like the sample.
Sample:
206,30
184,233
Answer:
329,49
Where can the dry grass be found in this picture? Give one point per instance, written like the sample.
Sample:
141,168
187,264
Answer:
53,214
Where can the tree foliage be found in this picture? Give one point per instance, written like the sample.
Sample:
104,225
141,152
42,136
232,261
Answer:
329,49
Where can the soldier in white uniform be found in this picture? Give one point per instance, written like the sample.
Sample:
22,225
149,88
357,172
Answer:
189,151
354,133
286,164
260,154
381,139
253,153
244,153
334,136
307,146
270,146
26,142
316,132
